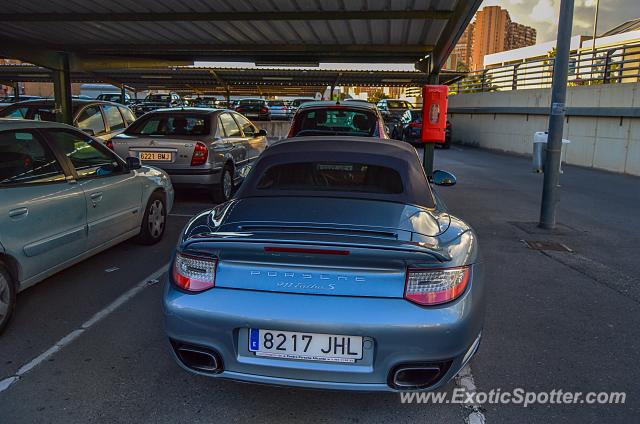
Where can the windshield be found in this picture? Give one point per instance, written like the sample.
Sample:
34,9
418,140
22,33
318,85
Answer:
328,176
35,112
335,121
158,98
171,124
399,104
276,103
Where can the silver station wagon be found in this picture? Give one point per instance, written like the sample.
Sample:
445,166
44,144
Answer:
210,148
64,196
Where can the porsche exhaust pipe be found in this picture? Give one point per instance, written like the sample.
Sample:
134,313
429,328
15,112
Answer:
417,376
199,359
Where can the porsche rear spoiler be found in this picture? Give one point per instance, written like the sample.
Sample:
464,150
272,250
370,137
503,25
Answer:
218,240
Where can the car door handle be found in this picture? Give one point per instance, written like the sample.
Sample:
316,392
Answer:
18,213
96,198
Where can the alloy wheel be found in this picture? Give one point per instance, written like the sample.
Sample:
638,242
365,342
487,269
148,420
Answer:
156,219
227,184
4,297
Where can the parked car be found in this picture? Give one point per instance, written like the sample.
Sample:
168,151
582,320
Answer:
204,101
114,97
210,148
254,109
333,267
411,129
223,104
157,101
97,118
334,118
65,197
357,101
395,107
279,109
9,100
296,103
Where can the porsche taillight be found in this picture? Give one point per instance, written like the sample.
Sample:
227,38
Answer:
433,286
194,273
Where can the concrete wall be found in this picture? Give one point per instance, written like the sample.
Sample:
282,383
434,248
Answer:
610,143
275,129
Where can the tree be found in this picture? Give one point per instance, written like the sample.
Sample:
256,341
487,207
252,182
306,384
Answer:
377,95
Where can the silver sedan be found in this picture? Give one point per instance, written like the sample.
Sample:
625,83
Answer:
212,148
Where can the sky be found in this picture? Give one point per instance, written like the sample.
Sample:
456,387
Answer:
543,15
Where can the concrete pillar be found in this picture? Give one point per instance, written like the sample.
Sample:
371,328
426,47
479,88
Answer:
16,91
62,92
123,95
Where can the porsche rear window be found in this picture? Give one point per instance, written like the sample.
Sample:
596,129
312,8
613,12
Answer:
331,176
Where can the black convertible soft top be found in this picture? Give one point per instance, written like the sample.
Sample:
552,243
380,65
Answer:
398,156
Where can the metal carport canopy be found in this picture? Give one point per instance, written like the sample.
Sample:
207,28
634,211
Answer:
269,32
258,80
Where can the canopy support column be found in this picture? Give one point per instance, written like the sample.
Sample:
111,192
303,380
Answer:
429,148
62,92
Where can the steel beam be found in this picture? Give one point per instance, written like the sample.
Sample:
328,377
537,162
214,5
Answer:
304,49
328,15
62,92
453,31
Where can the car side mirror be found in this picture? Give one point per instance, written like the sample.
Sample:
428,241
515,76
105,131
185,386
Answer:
133,163
261,133
89,131
443,178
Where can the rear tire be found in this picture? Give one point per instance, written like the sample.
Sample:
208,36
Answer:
154,221
7,297
223,191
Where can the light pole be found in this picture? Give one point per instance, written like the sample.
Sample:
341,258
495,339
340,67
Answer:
556,118
593,40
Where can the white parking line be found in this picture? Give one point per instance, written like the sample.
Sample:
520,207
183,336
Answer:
69,338
465,380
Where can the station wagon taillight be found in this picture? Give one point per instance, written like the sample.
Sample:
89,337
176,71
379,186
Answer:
200,154
194,273
433,286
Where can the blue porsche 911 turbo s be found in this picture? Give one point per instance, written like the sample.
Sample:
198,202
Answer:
334,266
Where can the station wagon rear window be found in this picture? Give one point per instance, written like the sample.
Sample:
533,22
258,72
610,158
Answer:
158,98
332,176
335,121
172,124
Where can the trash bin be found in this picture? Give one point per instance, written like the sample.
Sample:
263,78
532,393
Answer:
540,139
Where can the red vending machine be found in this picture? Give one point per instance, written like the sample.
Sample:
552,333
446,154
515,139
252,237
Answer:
434,113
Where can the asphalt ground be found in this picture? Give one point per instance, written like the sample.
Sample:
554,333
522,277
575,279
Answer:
555,320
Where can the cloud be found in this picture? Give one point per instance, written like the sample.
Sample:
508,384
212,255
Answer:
543,15
544,11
